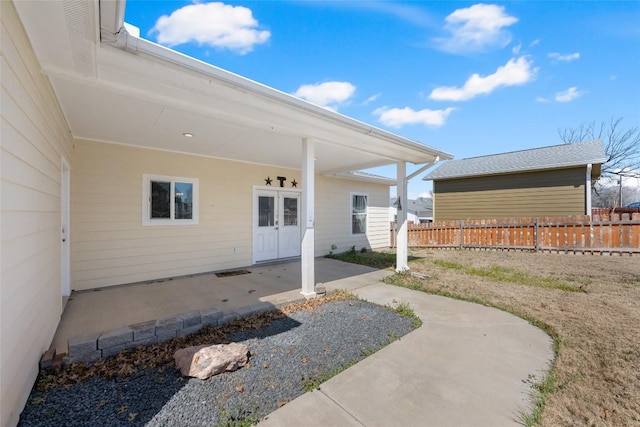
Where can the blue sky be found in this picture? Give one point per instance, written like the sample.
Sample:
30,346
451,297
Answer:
468,78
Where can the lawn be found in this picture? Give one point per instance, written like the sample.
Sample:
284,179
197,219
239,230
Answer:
589,304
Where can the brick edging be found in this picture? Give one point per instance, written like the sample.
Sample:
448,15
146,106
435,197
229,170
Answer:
89,348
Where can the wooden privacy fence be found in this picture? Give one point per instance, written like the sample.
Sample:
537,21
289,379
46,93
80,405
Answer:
602,234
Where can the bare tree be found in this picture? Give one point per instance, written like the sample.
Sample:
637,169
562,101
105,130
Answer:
622,146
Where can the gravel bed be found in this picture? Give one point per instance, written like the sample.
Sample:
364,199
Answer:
286,355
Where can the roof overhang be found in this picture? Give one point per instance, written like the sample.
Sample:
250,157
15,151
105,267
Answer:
116,88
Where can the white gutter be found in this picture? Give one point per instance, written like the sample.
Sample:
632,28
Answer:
132,44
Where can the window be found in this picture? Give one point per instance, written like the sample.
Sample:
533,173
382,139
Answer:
358,213
169,200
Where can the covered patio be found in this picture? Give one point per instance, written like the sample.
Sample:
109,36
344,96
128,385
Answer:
233,294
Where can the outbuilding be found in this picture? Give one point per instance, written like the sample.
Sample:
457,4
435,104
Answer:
547,181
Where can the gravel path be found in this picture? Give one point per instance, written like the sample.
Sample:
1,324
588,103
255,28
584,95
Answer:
285,356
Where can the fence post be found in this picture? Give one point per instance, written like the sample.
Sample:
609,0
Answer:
461,233
535,235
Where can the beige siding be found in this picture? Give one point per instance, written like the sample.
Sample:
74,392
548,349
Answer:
533,194
34,139
333,215
110,246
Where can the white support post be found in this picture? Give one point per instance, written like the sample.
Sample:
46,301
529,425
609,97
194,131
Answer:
588,191
402,258
307,250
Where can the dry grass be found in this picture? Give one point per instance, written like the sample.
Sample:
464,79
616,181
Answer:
590,303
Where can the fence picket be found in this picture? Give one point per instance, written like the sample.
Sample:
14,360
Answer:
607,232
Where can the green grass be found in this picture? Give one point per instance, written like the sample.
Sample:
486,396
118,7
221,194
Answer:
379,260
509,275
236,419
541,391
404,310
314,383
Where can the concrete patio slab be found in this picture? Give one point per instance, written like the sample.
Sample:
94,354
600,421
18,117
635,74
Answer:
268,285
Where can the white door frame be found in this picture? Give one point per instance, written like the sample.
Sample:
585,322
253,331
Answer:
276,191
65,232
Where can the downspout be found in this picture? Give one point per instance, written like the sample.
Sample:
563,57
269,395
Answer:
588,190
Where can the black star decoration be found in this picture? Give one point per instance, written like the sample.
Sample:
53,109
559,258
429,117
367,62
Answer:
294,183
268,181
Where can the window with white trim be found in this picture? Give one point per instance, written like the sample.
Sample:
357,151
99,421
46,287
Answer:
359,208
169,200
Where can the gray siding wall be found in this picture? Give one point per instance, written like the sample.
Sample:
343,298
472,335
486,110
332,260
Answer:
547,193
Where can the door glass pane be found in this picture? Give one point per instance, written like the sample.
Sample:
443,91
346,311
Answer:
266,210
183,200
160,199
290,211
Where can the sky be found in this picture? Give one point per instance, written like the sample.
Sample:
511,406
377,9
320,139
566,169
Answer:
468,78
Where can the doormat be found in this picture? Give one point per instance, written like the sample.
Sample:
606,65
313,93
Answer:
232,273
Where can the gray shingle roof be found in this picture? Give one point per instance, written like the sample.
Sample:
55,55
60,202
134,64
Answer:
554,157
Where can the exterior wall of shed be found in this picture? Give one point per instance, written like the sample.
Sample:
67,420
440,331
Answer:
34,140
110,246
558,192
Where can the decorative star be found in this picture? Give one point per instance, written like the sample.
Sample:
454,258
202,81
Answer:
268,181
294,183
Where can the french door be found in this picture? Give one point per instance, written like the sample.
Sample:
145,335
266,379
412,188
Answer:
276,224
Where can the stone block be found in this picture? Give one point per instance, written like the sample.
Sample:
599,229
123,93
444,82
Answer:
82,344
143,330
244,311
262,307
84,358
145,341
115,337
166,336
46,361
170,324
228,316
114,350
190,319
188,331
210,316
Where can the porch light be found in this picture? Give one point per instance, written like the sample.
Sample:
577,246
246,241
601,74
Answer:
187,135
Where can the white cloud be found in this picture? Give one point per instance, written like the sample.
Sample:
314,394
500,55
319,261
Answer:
371,99
212,24
327,94
564,57
476,28
398,117
541,99
516,49
568,95
534,43
515,72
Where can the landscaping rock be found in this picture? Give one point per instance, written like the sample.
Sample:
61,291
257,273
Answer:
204,361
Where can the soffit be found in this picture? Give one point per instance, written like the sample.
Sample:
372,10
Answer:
113,95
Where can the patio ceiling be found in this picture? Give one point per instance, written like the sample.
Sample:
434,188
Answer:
138,93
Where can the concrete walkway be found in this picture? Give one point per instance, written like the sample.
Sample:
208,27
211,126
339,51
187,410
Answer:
468,365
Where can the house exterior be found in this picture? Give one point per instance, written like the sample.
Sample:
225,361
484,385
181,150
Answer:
123,161
548,181
419,210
